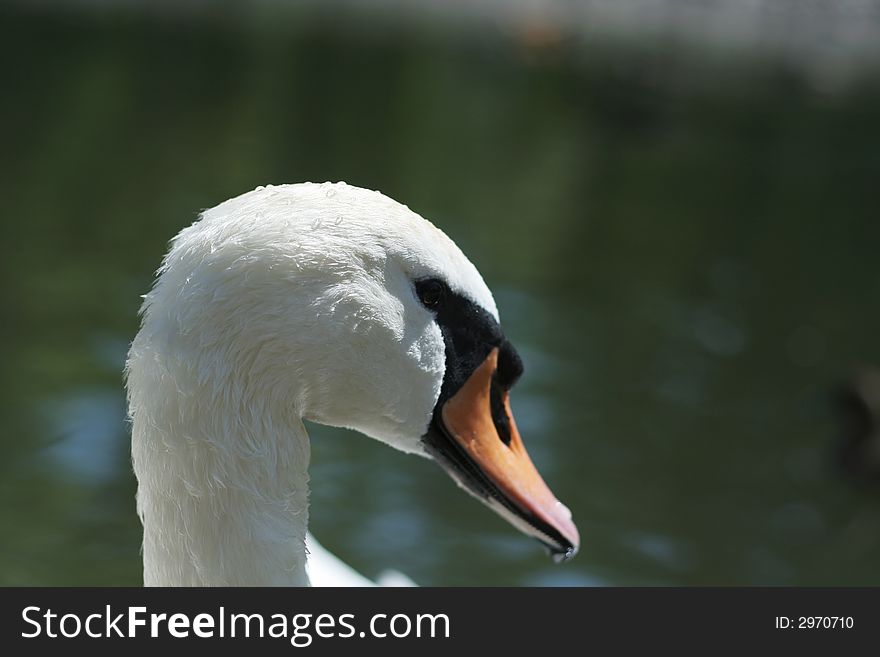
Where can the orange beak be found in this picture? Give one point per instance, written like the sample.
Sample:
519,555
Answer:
486,456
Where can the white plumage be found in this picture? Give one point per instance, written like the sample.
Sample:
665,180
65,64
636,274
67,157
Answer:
286,303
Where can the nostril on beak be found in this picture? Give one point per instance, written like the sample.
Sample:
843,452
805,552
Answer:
499,410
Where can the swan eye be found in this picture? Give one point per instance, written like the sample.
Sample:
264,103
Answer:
430,293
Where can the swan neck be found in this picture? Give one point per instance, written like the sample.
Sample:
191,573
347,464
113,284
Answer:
223,498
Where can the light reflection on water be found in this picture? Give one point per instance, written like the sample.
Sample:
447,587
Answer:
89,424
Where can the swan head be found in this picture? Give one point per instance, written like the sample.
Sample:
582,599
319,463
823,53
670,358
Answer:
343,307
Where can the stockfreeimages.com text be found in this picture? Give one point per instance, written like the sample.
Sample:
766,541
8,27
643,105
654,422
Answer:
299,629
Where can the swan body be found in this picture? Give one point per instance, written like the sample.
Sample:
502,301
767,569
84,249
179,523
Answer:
326,569
302,302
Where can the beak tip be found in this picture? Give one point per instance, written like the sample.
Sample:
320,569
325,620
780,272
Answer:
566,549
571,540
566,554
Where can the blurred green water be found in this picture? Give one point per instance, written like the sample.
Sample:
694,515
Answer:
684,251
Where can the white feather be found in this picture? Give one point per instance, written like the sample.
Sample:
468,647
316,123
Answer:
285,303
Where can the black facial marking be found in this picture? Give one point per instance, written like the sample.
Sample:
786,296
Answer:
510,366
469,333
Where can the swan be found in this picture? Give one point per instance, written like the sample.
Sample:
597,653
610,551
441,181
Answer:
319,302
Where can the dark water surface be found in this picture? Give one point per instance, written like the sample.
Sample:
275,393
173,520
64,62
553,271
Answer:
684,252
